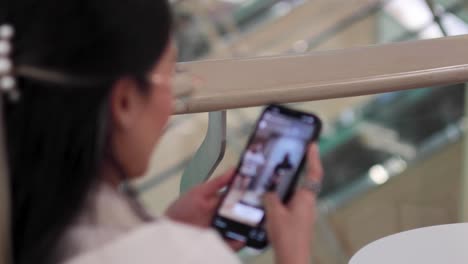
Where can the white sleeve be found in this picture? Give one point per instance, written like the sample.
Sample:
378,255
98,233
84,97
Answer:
162,242
262,158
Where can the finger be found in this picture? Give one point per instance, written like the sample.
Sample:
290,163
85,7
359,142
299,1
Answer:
235,245
303,200
213,201
315,169
213,186
273,205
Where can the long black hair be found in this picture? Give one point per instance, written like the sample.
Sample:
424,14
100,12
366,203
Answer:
55,132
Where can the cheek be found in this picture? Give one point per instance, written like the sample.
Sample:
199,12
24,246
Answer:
149,129
163,106
159,112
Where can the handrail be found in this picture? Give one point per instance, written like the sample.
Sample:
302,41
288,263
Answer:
321,75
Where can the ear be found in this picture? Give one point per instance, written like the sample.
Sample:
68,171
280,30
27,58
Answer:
126,103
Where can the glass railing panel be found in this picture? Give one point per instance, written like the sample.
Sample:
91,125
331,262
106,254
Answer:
222,29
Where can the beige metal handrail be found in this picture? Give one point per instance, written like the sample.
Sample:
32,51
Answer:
249,82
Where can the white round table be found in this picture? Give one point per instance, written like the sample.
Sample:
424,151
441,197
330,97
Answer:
445,244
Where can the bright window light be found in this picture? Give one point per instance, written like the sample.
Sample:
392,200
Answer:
378,174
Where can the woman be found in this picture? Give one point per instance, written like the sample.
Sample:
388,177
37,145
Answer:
279,171
252,163
93,79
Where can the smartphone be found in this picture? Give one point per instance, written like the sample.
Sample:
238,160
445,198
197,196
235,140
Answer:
272,161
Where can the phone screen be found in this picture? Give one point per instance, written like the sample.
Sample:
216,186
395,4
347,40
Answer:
270,162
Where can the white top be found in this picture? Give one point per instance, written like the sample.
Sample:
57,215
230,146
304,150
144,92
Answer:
251,162
109,231
430,245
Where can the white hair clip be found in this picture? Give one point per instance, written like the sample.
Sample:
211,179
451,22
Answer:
7,78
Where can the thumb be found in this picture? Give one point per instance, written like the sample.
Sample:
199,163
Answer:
273,205
212,187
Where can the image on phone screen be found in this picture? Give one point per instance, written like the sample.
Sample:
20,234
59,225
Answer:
270,162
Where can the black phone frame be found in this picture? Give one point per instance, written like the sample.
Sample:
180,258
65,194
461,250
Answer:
242,229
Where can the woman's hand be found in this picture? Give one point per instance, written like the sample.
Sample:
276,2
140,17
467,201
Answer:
197,206
290,227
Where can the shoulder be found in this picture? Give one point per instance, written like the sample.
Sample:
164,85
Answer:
164,241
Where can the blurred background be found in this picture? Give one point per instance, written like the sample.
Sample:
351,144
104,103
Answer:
393,161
